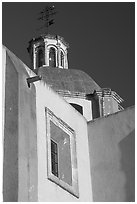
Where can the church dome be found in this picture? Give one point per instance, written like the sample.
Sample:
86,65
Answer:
68,81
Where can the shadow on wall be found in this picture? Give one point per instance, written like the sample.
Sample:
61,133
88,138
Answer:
112,155
127,148
20,134
10,166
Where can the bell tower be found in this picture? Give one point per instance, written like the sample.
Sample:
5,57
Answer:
48,50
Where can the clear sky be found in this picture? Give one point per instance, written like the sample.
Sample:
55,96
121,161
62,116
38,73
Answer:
101,37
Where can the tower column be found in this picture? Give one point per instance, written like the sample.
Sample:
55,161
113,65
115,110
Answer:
34,57
58,57
46,54
66,60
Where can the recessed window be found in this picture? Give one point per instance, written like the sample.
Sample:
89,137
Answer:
52,57
62,158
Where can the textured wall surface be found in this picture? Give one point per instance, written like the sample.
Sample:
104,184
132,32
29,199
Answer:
20,133
10,168
27,141
105,153
111,146
127,148
25,153
49,191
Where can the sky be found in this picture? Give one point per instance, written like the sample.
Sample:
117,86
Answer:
101,38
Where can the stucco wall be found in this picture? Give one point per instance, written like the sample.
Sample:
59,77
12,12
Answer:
127,148
105,151
27,141
20,133
10,167
47,190
26,150
111,147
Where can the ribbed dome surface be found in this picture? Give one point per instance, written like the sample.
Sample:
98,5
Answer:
70,80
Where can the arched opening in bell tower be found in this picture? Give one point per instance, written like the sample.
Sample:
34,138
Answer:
62,59
52,57
40,57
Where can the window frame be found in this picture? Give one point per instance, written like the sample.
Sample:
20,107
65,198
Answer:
58,122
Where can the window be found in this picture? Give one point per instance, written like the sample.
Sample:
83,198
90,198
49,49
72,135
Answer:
40,57
60,153
62,59
77,107
62,159
54,158
52,57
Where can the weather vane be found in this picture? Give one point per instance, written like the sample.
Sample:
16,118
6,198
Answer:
47,16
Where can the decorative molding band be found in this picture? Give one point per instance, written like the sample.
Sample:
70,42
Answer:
72,94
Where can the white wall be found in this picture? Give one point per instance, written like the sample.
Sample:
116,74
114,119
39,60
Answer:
47,190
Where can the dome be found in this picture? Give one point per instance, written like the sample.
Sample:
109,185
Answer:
69,81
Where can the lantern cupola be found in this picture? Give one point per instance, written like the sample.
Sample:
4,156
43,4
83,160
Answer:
48,51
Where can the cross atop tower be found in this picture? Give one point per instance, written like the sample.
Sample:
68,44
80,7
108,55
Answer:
46,15
48,50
